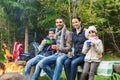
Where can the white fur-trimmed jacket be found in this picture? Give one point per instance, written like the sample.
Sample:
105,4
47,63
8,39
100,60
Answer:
93,51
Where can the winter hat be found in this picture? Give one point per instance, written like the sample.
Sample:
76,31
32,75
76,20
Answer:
52,29
90,28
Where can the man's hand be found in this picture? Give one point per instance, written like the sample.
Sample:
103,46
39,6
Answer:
55,47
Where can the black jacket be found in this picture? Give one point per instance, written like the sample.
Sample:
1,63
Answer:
46,50
78,41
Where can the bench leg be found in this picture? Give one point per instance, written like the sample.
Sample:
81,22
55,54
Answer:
78,75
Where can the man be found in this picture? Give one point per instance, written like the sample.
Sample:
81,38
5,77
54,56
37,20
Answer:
63,45
45,51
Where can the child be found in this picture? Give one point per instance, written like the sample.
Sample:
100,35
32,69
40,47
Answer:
44,51
93,48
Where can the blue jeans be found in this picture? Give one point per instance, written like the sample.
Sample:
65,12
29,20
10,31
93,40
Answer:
45,65
32,62
71,64
59,66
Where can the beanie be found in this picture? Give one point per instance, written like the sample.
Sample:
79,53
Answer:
52,29
90,28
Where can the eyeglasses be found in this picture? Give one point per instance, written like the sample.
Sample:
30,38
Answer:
91,32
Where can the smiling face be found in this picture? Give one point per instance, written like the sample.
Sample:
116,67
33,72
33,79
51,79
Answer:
76,23
51,34
92,33
59,23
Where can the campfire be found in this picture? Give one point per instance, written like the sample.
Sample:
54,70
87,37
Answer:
12,70
12,67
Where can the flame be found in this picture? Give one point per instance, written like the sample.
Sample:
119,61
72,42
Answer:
13,67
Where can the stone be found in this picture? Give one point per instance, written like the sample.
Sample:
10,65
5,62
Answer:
12,76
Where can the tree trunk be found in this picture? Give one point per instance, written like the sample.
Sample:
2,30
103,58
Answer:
26,38
70,14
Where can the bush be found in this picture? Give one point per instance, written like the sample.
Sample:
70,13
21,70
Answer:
2,57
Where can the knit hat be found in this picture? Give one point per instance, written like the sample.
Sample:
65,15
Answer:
90,28
52,29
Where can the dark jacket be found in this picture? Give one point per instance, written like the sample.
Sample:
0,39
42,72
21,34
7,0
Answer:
46,51
78,41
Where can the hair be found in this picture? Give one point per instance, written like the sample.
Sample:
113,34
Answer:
60,18
76,17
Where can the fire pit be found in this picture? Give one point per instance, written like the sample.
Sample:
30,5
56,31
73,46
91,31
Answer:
12,70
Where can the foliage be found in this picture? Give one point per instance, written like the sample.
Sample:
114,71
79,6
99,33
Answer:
1,56
110,56
105,16
39,16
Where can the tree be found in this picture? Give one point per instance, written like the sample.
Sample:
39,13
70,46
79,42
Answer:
104,14
20,13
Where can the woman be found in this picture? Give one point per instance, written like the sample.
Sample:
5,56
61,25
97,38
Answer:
78,39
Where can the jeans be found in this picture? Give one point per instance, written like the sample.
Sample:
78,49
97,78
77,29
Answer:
32,62
59,66
45,65
71,64
42,65
89,68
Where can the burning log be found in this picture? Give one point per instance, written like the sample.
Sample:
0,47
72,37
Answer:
12,67
12,71
12,76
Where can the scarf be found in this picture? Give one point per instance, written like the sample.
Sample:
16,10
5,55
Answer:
61,33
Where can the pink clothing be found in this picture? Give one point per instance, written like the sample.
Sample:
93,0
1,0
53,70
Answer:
18,49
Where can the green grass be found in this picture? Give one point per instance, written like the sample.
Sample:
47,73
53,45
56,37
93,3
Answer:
97,77
110,57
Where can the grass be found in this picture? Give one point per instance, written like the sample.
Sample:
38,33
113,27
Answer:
97,77
110,57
